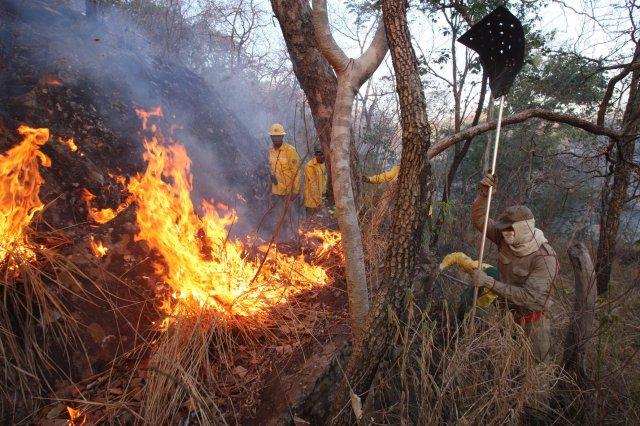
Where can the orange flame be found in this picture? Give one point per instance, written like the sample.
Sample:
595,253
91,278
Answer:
203,266
102,216
328,241
20,182
97,248
76,418
53,82
70,143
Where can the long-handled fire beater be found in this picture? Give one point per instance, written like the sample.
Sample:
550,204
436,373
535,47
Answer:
499,41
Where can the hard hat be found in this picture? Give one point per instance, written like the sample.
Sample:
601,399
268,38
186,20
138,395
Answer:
277,130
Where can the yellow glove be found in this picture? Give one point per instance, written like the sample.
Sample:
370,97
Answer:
462,260
486,296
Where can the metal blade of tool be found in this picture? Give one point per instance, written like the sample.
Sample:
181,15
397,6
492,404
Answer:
499,41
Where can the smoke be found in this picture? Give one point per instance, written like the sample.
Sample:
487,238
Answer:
119,67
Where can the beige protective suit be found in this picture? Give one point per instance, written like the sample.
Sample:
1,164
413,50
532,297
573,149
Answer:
525,279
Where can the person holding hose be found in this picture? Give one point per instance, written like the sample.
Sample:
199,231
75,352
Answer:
527,267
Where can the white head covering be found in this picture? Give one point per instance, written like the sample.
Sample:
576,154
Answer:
528,238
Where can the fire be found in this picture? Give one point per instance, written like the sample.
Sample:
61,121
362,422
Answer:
70,143
20,182
53,82
97,248
76,418
205,268
328,241
103,215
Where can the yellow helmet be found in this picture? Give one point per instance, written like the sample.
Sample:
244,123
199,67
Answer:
277,130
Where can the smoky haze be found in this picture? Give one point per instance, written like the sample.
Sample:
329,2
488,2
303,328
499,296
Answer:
112,60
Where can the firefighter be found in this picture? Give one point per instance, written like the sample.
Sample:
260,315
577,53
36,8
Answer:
388,176
315,182
284,163
527,267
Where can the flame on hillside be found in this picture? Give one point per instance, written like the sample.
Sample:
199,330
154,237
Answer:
76,418
97,248
53,82
20,183
103,215
70,143
205,268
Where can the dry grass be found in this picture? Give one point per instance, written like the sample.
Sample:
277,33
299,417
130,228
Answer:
39,340
208,367
442,374
181,381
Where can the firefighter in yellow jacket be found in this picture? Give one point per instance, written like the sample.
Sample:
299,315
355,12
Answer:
284,162
388,176
315,182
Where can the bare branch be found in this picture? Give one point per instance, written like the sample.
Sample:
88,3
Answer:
462,10
525,115
373,56
602,110
327,44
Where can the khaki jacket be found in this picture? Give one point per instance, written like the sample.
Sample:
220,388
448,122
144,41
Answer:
315,183
285,166
525,282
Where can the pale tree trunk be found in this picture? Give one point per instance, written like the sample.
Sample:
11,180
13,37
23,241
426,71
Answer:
580,334
582,323
351,74
315,75
409,218
614,197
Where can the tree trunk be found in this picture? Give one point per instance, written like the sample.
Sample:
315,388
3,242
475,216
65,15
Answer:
485,160
581,327
578,339
408,221
614,197
351,74
345,206
314,73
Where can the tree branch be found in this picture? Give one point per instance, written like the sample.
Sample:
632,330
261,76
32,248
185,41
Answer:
462,10
373,56
525,115
327,44
602,110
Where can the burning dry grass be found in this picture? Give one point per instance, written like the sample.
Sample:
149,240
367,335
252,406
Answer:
231,309
37,332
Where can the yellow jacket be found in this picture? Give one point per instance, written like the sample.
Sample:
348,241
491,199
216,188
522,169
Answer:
315,183
385,177
285,166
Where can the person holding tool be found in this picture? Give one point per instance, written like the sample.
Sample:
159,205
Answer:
527,267
527,264
284,163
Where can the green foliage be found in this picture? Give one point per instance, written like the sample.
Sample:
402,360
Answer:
559,82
